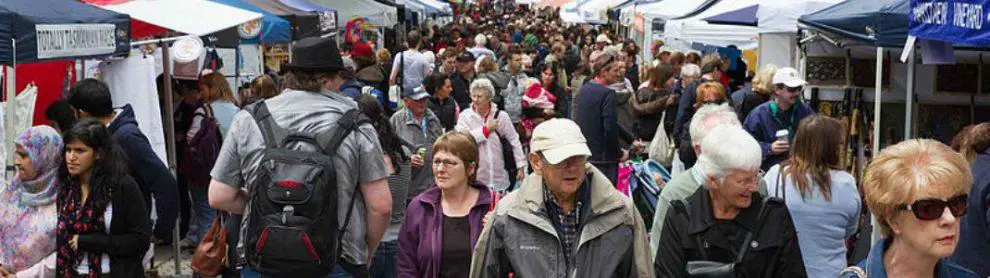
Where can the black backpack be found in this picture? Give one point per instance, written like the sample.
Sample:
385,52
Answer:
291,225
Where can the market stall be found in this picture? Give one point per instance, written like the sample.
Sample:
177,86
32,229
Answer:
379,14
46,30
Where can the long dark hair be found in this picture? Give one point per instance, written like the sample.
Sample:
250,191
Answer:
391,144
815,153
108,170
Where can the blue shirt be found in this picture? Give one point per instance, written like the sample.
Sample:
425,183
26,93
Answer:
873,265
822,225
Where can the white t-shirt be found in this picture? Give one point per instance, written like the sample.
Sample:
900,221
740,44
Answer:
83,267
415,68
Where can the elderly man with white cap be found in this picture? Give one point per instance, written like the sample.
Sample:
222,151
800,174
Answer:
480,48
774,123
565,217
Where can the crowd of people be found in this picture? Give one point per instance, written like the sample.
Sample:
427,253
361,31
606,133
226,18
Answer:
490,147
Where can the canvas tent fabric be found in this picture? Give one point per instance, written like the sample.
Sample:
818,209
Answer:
569,13
378,14
745,17
306,22
553,3
877,22
38,27
274,29
193,17
667,9
693,28
782,16
596,11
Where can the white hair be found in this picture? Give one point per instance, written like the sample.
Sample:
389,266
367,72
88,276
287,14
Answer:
480,40
483,84
729,148
690,70
708,118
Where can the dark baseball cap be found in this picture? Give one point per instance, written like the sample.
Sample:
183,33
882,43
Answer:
465,56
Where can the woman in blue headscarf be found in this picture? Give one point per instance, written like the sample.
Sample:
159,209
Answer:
28,216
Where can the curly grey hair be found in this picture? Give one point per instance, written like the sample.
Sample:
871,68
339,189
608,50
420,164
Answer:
483,84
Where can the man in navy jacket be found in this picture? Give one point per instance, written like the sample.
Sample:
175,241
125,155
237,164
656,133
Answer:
785,112
91,98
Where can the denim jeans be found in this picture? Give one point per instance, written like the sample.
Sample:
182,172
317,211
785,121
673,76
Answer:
386,260
202,213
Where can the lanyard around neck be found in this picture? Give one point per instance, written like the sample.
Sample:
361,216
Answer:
774,109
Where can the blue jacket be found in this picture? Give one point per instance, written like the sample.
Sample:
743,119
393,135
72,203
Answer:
763,125
148,171
974,239
873,265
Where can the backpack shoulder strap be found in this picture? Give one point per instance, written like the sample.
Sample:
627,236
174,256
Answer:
350,121
270,131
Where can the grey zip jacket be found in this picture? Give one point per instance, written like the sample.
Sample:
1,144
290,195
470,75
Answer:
520,238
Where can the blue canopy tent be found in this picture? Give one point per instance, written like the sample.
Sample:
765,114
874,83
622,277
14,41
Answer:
274,29
877,22
38,30
745,17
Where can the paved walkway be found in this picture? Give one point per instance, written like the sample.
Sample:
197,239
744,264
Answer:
165,266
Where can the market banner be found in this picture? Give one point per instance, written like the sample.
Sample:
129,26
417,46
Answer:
958,21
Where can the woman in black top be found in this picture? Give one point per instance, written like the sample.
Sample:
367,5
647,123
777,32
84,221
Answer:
439,86
652,99
398,184
99,216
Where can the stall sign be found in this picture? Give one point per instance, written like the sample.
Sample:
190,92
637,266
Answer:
957,21
74,40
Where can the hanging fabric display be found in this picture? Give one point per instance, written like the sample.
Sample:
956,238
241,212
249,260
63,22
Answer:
135,75
21,116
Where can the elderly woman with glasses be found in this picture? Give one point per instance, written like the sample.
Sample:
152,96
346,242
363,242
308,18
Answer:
727,221
708,93
917,190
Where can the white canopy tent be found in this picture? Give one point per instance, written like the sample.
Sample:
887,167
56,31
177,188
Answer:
437,5
569,13
662,10
681,33
378,14
186,16
777,25
596,11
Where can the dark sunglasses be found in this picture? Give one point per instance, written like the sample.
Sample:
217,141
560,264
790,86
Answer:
931,209
795,89
715,102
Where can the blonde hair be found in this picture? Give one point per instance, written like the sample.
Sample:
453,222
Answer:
710,89
217,88
383,56
900,172
763,81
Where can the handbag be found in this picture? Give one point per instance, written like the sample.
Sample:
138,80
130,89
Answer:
210,257
662,147
509,159
711,269
395,91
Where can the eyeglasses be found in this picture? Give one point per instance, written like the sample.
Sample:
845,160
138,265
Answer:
931,209
446,163
794,89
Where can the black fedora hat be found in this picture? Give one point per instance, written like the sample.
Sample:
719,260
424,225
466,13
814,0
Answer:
315,54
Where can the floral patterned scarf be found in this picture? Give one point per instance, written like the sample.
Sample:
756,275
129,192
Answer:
76,218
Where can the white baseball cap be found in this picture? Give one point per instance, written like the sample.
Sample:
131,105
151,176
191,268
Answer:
788,76
558,140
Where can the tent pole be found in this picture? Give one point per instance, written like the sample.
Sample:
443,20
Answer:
909,104
170,142
979,89
876,127
11,93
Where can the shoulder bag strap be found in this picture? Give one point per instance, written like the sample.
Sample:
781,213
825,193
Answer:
402,71
780,184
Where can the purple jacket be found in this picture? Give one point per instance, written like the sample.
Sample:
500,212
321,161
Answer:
420,237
